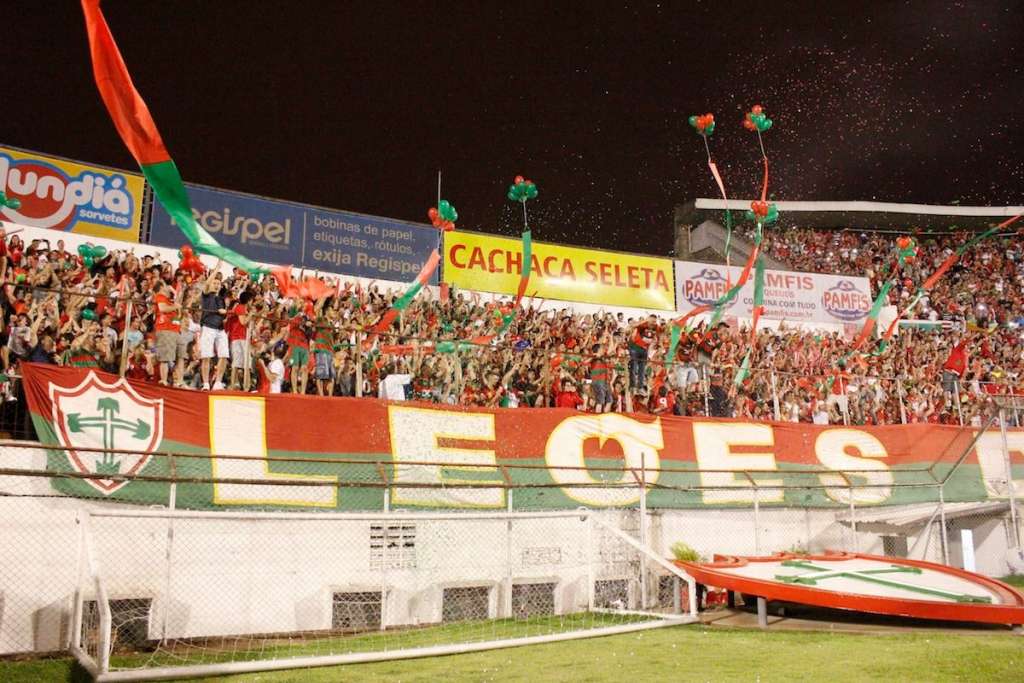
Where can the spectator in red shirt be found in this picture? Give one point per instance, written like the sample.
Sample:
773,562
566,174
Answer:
166,326
567,397
237,328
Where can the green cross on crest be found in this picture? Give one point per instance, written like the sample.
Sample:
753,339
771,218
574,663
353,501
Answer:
109,424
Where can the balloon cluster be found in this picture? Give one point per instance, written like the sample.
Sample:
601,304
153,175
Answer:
762,212
443,217
907,250
756,119
91,253
190,263
521,190
9,202
703,124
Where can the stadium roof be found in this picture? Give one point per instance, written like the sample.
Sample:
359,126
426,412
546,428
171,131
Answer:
862,215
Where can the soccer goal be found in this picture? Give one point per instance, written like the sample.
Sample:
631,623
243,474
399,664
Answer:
171,594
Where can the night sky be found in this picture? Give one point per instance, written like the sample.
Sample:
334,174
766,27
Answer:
357,107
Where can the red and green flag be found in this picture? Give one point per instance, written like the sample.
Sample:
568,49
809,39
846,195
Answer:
137,129
402,302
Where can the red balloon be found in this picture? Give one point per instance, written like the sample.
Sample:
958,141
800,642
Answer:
432,213
186,251
748,124
448,226
519,179
903,242
756,109
759,208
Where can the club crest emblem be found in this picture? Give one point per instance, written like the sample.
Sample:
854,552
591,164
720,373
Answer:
99,415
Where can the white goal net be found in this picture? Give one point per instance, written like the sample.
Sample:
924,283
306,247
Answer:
166,593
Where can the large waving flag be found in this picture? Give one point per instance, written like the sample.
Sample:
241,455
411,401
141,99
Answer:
137,129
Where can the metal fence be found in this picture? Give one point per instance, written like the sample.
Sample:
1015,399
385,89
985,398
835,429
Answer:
963,509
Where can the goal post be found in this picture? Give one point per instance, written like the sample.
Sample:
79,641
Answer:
172,593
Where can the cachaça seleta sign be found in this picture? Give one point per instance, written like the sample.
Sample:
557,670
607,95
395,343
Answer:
576,457
494,264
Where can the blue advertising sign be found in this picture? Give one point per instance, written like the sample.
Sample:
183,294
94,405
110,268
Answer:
304,236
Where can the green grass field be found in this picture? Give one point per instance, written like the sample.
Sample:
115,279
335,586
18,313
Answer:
682,653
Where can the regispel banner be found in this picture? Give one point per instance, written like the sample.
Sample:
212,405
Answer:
71,196
493,264
788,295
280,232
101,424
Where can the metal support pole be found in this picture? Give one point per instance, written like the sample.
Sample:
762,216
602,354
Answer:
359,364
247,363
707,396
762,613
76,608
508,563
903,405
846,402
853,522
775,397
590,561
385,530
643,530
1011,491
124,343
942,528
757,521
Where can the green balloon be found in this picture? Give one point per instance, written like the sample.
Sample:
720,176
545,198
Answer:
99,251
88,314
88,261
710,129
83,250
447,211
693,121
12,203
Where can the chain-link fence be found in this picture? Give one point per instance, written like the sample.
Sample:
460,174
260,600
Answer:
195,565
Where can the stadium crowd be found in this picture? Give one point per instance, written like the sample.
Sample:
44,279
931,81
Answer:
217,330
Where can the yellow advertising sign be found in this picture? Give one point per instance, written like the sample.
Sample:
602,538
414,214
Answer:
65,195
493,264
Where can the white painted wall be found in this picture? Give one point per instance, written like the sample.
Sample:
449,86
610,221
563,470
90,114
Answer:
229,577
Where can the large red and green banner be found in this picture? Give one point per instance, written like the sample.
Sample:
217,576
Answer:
239,450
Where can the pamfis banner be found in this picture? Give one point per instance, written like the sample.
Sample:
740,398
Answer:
576,458
788,295
273,231
494,264
70,196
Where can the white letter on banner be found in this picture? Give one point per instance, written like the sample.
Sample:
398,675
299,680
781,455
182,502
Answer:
713,442
414,435
830,447
565,449
238,427
993,464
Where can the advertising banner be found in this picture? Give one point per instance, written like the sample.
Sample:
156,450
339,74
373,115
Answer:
788,295
99,424
493,264
285,233
69,196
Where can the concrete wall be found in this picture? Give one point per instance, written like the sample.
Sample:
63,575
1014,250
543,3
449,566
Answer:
223,577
